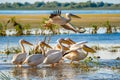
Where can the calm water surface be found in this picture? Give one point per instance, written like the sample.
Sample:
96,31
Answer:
63,11
91,38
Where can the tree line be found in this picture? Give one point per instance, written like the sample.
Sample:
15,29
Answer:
58,5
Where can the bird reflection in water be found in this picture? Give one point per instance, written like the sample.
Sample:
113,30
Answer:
64,71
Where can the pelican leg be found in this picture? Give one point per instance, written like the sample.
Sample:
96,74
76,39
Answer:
52,65
61,61
78,61
71,62
56,64
17,65
69,28
34,67
20,65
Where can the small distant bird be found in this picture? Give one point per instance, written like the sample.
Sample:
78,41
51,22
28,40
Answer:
56,18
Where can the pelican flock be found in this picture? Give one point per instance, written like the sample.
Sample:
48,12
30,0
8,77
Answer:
56,18
66,48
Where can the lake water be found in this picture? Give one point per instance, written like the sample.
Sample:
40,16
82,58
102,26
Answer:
91,38
63,11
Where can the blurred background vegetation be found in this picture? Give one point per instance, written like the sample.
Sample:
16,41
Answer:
55,4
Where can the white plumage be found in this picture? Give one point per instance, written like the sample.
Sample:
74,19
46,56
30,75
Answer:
36,59
19,58
78,51
55,56
56,18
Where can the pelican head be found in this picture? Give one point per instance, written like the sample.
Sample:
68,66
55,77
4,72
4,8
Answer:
42,44
22,41
61,40
70,14
70,41
88,49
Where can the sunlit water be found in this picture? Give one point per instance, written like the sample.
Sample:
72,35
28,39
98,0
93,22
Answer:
108,68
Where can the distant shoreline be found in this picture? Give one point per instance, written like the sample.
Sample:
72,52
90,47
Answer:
52,5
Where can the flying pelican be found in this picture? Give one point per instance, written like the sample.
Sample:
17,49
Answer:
36,59
56,18
55,56
19,58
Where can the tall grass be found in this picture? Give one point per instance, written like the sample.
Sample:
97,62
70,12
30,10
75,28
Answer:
4,76
22,23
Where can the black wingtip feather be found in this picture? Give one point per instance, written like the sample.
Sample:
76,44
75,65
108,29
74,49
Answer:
55,13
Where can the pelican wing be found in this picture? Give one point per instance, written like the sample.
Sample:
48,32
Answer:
77,45
59,20
19,57
53,58
55,13
34,59
88,49
69,26
50,52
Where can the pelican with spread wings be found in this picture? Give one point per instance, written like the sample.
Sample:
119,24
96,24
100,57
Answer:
56,18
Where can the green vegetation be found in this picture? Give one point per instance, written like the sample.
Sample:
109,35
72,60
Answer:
18,26
25,24
108,27
95,28
57,5
3,29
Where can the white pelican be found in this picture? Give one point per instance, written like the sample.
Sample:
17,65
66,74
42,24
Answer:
56,18
70,44
19,58
65,48
36,59
78,51
81,44
73,45
70,41
54,56
58,47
